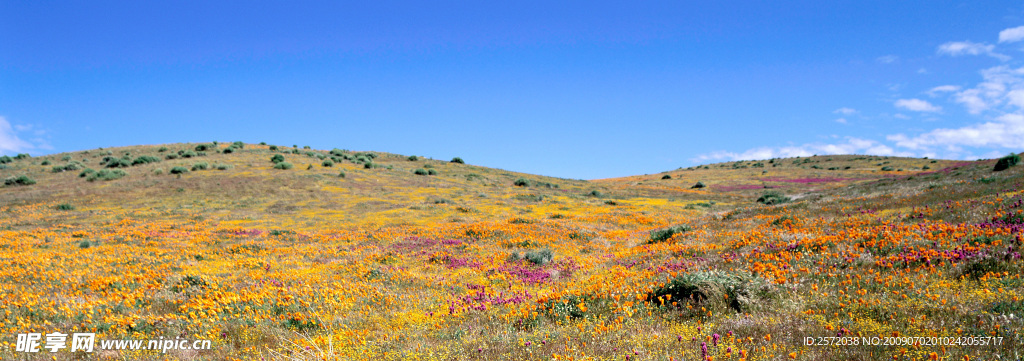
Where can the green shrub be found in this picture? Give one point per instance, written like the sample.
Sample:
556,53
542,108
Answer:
887,169
118,163
458,160
171,156
22,156
596,193
420,171
283,165
327,163
661,235
368,165
45,162
277,158
21,180
522,182
161,150
86,172
64,207
431,172
67,167
187,154
698,185
540,257
158,171
666,176
6,159
413,158
341,174
772,197
739,292
200,166
84,244
107,175
179,170
1006,162
204,147
273,147
228,150
221,166
146,159
337,152
238,145
263,143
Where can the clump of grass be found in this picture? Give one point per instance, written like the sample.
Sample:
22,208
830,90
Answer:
773,197
158,171
662,235
179,170
458,160
539,257
107,175
1006,162
739,292
283,165
21,180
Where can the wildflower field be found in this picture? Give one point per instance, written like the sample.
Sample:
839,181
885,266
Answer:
281,252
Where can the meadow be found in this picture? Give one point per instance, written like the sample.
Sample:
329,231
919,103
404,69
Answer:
285,252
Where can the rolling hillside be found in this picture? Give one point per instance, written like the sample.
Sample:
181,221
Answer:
279,252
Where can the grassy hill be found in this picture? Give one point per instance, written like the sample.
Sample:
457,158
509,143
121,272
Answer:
349,254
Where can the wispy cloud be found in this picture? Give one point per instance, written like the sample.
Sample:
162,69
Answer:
943,89
917,105
845,111
9,141
887,59
1007,131
1011,35
850,146
957,48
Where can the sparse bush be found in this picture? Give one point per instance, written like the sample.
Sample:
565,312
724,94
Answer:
596,193
420,171
341,174
1006,162
146,159
64,207
662,235
118,163
161,150
368,165
277,158
65,158
540,257
158,171
200,166
413,158
171,156
86,172
283,165
21,180
522,182
84,244
887,169
238,145
327,163
67,167
698,185
772,197
188,154
431,172
739,292
179,170
458,160
222,166
45,162
107,175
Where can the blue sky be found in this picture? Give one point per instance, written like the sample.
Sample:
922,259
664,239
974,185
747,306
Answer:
577,89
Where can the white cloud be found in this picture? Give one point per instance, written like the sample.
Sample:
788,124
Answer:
844,111
1006,131
851,146
957,48
1011,35
994,91
917,105
887,59
943,89
900,116
9,141
841,120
